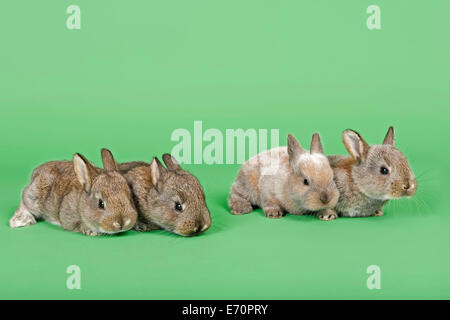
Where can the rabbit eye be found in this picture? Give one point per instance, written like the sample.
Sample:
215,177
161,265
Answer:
101,204
384,170
306,182
178,206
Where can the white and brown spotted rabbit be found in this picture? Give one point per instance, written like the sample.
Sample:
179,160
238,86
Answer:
285,179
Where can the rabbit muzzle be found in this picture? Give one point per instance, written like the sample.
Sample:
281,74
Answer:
410,187
115,224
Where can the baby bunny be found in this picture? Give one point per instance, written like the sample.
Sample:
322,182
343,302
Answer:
170,199
285,179
370,177
78,196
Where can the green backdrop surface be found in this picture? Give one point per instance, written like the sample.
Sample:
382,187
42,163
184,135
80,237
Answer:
138,70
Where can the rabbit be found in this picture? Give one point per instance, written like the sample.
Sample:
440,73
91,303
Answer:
171,199
78,197
285,179
370,176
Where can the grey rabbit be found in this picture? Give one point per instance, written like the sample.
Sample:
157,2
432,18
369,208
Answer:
167,198
285,179
370,176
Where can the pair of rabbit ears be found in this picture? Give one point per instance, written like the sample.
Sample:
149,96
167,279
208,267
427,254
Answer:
295,149
358,148
158,170
85,171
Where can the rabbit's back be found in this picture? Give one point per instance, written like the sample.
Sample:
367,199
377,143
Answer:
50,183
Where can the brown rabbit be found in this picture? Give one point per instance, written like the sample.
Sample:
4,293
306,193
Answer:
285,179
78,196
370,177
170,199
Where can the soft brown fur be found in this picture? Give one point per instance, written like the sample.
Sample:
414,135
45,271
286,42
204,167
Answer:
157,190
275,181
68,194
363,188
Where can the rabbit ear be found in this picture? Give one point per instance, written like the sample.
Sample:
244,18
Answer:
316,145
294,148
157,170
355,145
389,139
171,162
82,171
109,164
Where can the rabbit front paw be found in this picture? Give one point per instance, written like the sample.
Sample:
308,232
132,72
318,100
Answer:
239,205
327,215
273,212
378,213
143,227
89,232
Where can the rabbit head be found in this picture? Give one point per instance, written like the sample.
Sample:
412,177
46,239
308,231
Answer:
379,171
106,204
311,183
177,201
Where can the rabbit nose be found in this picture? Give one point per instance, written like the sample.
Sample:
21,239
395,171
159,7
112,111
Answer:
127,223
410,187
324,197
196,230
201,227
121,223
117,225
206,222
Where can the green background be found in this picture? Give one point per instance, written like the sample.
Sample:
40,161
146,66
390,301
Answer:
137,70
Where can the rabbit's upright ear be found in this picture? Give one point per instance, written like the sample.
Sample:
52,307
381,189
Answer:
295,150
83,171
109,164
171,162
355,145
389,139
316,144
158,171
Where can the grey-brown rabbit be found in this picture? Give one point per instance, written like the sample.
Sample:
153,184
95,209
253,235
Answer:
170,199
78,196
370,176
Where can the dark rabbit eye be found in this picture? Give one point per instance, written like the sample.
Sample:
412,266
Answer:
101,204
178,206
384,170
306,182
